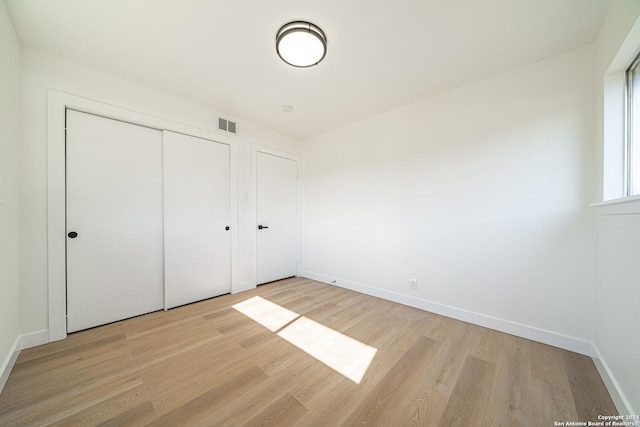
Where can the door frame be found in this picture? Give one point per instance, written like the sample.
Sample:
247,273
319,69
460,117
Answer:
57,104
255,150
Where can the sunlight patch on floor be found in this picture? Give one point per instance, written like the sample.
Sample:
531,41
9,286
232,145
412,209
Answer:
345,355
271,316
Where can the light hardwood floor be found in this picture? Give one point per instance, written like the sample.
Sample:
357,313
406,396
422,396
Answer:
208,364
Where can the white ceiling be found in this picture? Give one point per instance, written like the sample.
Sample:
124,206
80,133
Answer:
381,54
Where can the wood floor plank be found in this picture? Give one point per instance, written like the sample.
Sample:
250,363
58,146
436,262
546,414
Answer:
490,346
548,366
66,377
67,404
266,394
468,401
285,411
552,403
201,410
448,363
422,401
208,364
317,387
117,411
180,380
171,338
585,384
136,416
390,391
511,401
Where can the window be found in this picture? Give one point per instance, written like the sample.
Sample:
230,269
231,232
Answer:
632,129
621,126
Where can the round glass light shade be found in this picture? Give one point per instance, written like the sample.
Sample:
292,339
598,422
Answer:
301,44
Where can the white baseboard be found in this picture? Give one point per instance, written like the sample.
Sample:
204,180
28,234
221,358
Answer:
9,361
22,341
619,399
33,339
529,332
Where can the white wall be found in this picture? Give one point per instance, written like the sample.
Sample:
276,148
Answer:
616,334
481,194
9,191
41,72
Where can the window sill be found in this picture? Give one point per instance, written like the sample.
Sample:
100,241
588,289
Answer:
621,206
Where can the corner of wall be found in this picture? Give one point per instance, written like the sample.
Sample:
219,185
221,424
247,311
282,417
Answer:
615,391
9,361
10,218
22,342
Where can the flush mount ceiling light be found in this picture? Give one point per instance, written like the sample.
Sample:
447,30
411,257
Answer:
301,44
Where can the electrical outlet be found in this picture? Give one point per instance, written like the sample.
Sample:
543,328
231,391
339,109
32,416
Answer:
413,283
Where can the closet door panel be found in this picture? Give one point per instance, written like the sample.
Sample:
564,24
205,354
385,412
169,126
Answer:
197,242
114,220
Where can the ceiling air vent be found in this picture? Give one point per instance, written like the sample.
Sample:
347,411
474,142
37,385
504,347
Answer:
227,125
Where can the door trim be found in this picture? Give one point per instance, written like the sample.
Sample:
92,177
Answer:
255,149
57,103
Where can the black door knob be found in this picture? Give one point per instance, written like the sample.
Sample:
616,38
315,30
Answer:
260,227
227,228
72,234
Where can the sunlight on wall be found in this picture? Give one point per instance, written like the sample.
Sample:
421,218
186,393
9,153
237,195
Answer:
347,356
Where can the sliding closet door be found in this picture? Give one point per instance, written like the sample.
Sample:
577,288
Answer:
114,220
196,219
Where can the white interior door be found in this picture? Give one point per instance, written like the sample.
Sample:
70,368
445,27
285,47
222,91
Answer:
277,215
114,204
197,239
